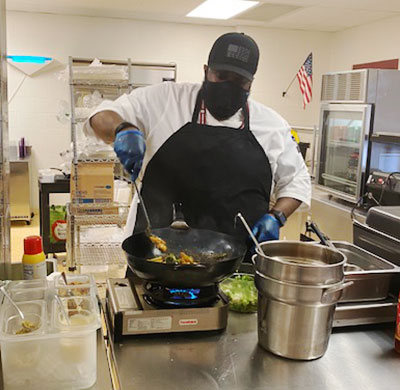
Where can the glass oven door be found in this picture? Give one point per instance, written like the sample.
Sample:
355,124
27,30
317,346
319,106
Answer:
343,146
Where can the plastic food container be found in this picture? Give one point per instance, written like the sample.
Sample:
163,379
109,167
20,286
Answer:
28,290
78,285
55,353
241,292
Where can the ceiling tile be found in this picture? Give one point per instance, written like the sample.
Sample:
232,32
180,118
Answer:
298,3
371,5
173,7
326,18
265,12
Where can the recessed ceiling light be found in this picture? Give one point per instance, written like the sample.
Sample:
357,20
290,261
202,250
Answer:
221,9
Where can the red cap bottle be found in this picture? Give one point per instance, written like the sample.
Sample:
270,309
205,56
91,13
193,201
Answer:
34,260
33,245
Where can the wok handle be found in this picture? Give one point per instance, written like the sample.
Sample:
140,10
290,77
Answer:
178,267
178,219
177,212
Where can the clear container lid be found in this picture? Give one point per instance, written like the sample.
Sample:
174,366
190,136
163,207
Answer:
26,294
26,284
27,290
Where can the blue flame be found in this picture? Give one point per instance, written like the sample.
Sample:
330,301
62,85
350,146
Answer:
184,293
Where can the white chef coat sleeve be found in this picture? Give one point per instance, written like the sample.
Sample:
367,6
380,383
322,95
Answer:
141,107
292,179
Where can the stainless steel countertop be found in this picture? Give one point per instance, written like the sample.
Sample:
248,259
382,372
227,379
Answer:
103,373
360,358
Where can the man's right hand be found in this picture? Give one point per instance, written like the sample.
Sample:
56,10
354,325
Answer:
129,145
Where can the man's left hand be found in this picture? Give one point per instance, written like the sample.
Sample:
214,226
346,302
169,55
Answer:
266,228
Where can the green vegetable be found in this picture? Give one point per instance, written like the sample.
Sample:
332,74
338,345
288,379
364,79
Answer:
241,292
171,259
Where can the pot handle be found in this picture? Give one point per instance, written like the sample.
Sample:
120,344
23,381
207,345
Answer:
334,289
253,259
178,219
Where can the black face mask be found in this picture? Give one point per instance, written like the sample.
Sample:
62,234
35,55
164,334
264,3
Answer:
223,99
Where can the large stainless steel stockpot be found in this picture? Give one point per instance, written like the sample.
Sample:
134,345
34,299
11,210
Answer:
294,331
300,262
299,294
299,285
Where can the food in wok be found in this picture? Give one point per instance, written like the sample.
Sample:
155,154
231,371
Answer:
158,242
170,258
183,257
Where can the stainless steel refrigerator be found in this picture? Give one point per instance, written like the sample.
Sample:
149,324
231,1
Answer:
359,109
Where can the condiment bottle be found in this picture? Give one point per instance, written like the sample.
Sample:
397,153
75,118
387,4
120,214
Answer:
34,260
397,332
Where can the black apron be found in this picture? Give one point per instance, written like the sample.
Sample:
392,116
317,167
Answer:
214,171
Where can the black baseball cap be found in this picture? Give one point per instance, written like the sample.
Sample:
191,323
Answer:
235,52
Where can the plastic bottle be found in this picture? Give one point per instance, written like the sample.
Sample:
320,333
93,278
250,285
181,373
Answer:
34,260
397,333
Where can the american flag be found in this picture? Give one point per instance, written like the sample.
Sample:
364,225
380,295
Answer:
304,75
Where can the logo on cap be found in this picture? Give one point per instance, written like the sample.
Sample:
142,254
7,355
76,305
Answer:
238,52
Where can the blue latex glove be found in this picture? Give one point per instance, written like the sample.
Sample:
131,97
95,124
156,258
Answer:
129,145
266,228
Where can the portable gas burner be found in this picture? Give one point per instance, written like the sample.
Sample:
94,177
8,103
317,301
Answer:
136,307
172,297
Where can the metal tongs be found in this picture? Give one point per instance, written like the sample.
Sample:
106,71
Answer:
147,231
312,227
146,215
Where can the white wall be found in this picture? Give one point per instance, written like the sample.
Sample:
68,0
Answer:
282,54
373,42
34,108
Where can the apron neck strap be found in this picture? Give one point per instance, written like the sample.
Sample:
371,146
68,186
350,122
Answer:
198,106
199,113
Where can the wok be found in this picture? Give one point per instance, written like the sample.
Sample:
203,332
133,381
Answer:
206,246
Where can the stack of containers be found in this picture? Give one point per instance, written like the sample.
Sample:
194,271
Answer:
299,285
59,352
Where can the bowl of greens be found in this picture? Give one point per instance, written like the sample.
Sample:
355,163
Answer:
241,292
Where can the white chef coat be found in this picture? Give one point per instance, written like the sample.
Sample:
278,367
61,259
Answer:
161,110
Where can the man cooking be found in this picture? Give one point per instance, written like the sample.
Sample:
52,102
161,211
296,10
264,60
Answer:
209,147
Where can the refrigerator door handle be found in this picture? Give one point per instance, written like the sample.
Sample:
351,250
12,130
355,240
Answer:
314,148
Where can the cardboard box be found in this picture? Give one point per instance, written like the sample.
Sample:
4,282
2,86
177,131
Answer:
95,183
95,209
